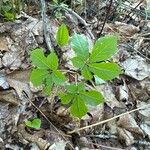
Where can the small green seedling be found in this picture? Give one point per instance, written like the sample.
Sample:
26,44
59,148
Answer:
90,66
35,123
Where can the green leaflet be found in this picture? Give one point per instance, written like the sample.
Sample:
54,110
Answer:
42,62
78,108
78,62
62,36
66,97
57,77
52,61
72,88
80,45
86,73
38,59
48,85
92,97
104,49
35,123
106,71
37,76
47,90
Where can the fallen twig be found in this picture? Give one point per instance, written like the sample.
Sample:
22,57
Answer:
45,30
106,17
81,20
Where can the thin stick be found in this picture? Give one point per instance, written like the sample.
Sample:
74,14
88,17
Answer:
81,20
45,30
107,120
48,120
108,12
133,10
111,148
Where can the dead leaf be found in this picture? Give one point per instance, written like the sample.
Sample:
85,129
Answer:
19,80
136,68
122,29
3,82
60,145
128,122
126,136
139,90
9,97
123,92
3,43
146,111
12,60
109,96
146,127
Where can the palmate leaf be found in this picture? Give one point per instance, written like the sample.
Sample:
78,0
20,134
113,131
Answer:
78,107
104,49
78,97
106,71
42,62
38,59
80,45
37,76
62,36
92,97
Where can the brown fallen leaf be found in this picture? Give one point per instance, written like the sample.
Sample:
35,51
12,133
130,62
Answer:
3,82
3,43
128,122
9,97
42,144
122,28
19,80
12,60
136,68
125,136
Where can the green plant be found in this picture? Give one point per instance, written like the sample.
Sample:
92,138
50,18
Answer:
46,71
57,7
89,66
7,10
35,123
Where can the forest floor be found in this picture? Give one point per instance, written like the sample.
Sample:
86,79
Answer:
126,110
